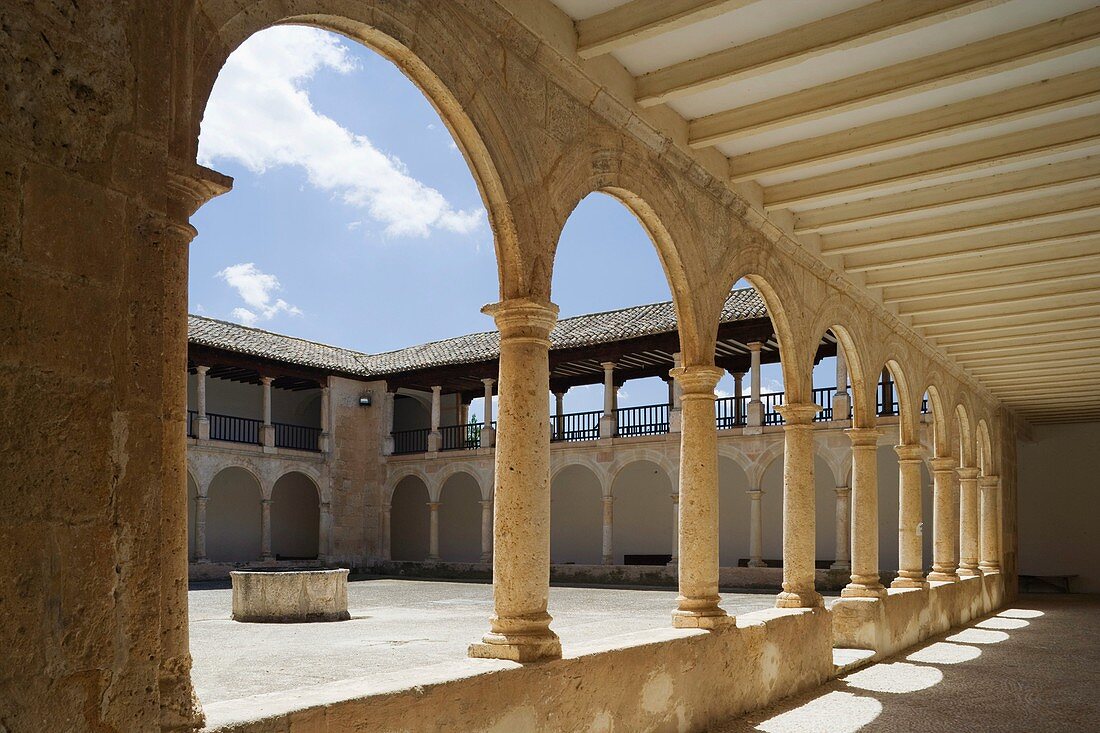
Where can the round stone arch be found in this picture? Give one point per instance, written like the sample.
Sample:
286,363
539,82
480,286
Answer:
409,517
295,516
908,402
459,494
577,490
233,515
644,518
986,460
941,436
489,132
836,315
650,456
399,476
965,435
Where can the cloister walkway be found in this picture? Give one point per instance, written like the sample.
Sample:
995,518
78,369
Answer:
1033,666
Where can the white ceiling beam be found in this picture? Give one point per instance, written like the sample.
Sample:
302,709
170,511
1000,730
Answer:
1040,318
1023,359
1023,391
1025,145
969,223
1032,343
925,277
1023,328
1053,310
1042,42
1057,370
1091,289
999,287
1069,174
640,20
1038,387
842,32
1022,102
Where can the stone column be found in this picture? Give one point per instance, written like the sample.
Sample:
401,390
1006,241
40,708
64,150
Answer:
755,418
910,552
842,401
559,413
486,530
738,396
990,487
865,581
756,529
674,561
843,529
520,625
387,423
200,529
434,436
265,530
945,520
324,535
202,422
674,412
488,433
267,430
324,441
608,419
968,521
799,542
433,530
608,530
697,604
385,532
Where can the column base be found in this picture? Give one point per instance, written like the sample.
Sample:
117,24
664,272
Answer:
943,576
841,566
989,567
607,560
701,620
863,589
757,564
517,647
970,570
486,557
908,579
799,599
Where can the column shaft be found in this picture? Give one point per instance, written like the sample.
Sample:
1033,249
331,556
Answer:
434,437
385,532
990,487
697,604
520,625
608,420
326,419
267,430
675,560
486,530
968,522
200,529
756,530
799,542
755,418
324,535
433,530
488,432
865,582
910,552
843,529
945,520
265,530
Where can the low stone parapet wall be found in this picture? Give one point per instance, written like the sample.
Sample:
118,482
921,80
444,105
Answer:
671,679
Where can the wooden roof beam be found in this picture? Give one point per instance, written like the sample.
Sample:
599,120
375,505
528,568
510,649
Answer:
1027,298
1025,358
1021,328
640,20
1050,40
1055,311
999,287
1089,256
1029,343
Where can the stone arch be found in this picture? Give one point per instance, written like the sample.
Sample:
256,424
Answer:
985,449
644,515
576,515
965,435
233,520
295,517
401,475
659,459
482,132
941,440
908,403
832,318
599,471
797,385
460,516
435,488
409,518
764,461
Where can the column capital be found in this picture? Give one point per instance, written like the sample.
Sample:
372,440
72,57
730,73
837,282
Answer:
437,389
326,505
486,502
489,382
909,452
266,381
737,375
607,499
385,508
675,498
608,365
863,437
697,381
202,369
524,318
266,502
755,345
967,473
201,499
843,490
434,505
943,463
989,482
755,494
798,413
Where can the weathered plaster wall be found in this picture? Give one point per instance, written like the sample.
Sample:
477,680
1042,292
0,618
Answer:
1059,482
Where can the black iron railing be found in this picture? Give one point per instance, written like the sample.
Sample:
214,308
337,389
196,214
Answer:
729,414
234,429
410,441
299,437
575,426
642,420
192,416
772,400
824,397
460,437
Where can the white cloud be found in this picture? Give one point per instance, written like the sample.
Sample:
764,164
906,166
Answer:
260,115
256,289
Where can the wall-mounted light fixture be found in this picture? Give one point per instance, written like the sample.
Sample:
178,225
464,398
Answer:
365,400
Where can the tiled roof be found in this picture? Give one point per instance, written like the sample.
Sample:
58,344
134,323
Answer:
587,330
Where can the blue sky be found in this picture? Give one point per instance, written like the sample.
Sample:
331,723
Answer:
354,219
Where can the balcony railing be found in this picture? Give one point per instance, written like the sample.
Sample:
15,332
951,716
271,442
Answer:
728,414
234,429
298,437
643,420
824,397
575,426
192,431
410,441
460,437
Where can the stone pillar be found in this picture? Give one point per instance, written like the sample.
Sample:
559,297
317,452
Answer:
202,422
674,413
488,433
968,522
434,436
843,529
842,401
910,552
385,532
755,418
324,535
865,581
265,530
756,529
990,487
674,561
945,520
486,530
267,430
387,423
608,530
519,628
325,440
738,397
559,415
200,529
799,542
697,604
433,530
608,419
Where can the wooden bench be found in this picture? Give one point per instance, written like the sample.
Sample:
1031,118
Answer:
1059,583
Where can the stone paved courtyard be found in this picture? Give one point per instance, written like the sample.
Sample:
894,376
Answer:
397,624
